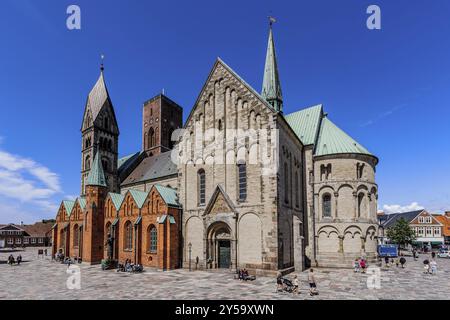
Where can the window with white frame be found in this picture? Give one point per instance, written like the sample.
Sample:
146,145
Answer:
429,231
420,233
18,241
33,240
26,240
41,240
10,241
437,232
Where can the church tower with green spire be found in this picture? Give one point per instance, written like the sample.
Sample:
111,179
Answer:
271,90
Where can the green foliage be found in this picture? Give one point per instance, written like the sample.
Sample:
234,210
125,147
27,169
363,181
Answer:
401,233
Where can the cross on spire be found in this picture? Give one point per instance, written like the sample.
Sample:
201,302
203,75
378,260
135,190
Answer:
102,66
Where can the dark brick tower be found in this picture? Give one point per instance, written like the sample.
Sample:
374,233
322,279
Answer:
93,231
160,117
100,134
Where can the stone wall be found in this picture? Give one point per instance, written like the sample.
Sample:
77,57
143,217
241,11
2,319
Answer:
348,229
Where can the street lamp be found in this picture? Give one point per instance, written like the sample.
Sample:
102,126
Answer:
190,253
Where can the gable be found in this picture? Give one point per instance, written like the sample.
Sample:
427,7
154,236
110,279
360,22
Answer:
223,76
219,203
11,227
434,221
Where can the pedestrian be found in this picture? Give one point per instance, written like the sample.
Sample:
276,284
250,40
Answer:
426,266
402,262
397,262
19,259
433,265
386,261
312,283
295,291
356,265
45,252
279,282
11,260
363,265
414,254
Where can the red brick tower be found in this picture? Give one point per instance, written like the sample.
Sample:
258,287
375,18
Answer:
161,117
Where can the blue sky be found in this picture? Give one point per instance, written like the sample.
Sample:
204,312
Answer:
388,88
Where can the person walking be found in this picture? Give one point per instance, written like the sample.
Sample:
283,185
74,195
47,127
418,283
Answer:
402,262
433,265
386,261
19,259
363,265
11,260
426,266
312,283
295,291
356,265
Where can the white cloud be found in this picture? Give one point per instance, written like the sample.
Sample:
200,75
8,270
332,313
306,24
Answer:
28,185
396,208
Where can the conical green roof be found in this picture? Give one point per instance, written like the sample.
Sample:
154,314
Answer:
96,176
271,90
333,140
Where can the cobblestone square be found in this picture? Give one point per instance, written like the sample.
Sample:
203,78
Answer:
41,278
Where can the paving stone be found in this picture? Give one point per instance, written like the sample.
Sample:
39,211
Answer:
45,279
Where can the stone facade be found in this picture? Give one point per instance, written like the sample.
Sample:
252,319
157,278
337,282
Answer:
218,128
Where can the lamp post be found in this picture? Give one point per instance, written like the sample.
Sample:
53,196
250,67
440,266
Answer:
190,253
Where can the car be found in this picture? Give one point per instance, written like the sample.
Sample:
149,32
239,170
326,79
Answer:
443,254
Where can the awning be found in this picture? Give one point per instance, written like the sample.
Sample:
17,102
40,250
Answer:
138,221
115,222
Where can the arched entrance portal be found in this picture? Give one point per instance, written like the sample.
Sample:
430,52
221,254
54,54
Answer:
219,245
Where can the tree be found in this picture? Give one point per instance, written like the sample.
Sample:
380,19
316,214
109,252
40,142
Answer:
401,233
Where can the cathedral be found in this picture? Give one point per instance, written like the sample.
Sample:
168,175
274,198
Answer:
239,184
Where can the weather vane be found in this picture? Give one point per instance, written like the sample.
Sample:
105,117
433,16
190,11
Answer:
272,20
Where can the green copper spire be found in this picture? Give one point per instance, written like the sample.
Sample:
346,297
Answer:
96,176
271,90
